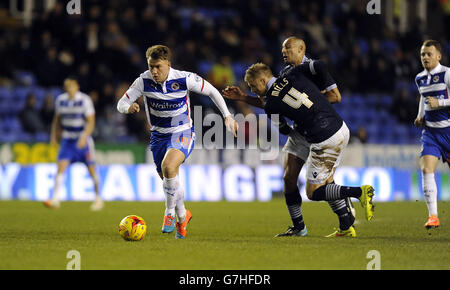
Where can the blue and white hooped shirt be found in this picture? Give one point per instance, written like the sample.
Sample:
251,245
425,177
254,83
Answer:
435,83
167,104
73,113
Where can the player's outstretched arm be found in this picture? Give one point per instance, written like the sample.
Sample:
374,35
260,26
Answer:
235,93
201,86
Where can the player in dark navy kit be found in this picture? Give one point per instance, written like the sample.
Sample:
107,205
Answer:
297,148
294,96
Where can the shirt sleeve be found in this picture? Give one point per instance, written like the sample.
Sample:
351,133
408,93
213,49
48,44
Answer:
199,85
195,83
447,78
421,111
446,102
89,107
320,70
131,95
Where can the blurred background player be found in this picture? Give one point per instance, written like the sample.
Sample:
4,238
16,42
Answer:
294,96
166,98
433,84
74,121
297,148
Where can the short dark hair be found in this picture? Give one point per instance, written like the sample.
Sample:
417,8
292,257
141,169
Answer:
72,78
158,52
435,43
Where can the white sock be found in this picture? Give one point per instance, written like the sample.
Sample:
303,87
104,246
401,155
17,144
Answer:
430,192
180,208
59,181
96,187
170,187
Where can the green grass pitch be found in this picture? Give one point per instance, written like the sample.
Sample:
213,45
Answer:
221,236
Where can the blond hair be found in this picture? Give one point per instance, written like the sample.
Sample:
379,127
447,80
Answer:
255,70
158,52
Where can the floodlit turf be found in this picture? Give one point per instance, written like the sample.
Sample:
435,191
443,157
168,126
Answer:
221,235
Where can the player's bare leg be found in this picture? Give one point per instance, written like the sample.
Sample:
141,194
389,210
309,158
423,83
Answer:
59,182
428,165
98,202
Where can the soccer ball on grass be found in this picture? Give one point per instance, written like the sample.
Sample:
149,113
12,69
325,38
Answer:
132,228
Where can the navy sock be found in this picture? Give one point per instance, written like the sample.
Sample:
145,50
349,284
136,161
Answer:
343,212
333,191
294,205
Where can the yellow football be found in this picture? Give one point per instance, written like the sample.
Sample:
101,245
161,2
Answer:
132,228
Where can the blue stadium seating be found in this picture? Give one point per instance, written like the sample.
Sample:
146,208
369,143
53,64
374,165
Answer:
369,111
204,67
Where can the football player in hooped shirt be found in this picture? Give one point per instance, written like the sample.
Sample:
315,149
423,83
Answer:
433,84
73,123
295,97
166,97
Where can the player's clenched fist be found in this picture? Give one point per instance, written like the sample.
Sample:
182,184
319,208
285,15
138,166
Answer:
134,108
418,122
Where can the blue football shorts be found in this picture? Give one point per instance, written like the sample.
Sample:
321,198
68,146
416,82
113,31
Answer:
436,142
68,150
160,143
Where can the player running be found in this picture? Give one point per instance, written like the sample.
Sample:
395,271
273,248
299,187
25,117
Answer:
433,84
297,148
294,96
74,121
166,98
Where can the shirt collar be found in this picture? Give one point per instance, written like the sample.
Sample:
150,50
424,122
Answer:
435,70
270,82
304,59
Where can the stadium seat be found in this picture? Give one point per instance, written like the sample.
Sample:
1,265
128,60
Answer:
204,67
389,46
363,45
386,100
25,78
5,93
239,70
41,137
55,91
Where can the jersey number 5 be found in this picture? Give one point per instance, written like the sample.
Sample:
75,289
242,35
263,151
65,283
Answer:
296,99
